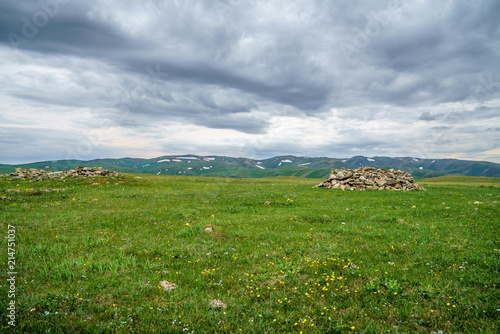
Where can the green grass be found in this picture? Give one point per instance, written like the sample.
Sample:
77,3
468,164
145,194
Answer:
463,181
90,255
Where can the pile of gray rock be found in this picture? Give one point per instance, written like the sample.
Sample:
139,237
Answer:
40,174
370,178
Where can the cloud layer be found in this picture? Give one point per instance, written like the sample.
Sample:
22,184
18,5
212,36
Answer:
110,78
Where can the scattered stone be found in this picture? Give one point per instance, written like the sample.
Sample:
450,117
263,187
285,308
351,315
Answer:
267,203
217,303
40,174
208,228
168,286
370,178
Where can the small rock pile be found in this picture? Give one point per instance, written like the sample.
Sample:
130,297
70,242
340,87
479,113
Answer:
370,178
40,174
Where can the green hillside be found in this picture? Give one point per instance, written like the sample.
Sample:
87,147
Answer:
309,167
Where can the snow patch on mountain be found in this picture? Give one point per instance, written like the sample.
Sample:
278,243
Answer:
285,161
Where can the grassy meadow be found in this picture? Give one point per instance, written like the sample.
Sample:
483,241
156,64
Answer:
274,255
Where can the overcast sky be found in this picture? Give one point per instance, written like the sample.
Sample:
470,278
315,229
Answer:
96,79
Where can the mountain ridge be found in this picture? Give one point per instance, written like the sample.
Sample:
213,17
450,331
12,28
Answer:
285,165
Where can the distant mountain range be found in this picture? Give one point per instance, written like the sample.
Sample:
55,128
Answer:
196,165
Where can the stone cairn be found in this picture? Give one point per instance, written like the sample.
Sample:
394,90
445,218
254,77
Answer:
370,178
40,174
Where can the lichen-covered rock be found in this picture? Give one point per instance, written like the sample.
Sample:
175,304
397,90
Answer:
168,286
217,303
370,178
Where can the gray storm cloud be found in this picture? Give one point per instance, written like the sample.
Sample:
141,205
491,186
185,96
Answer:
369,78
